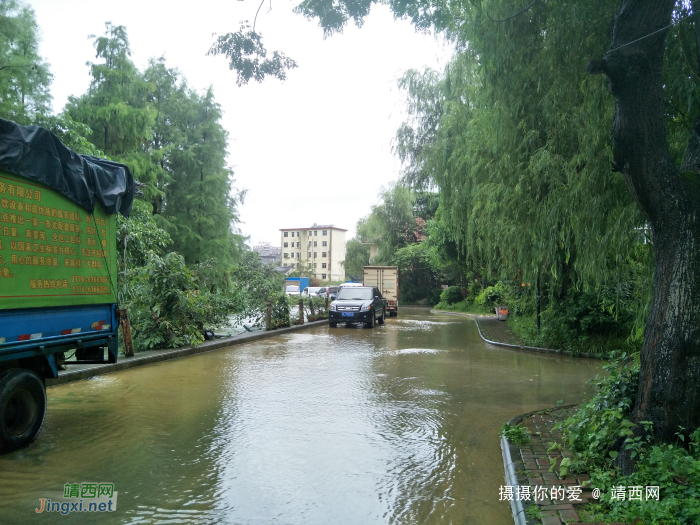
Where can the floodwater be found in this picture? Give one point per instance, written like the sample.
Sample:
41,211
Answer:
392,425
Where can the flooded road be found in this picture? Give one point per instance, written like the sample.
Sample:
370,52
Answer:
392,425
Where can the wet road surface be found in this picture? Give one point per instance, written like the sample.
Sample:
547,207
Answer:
392,425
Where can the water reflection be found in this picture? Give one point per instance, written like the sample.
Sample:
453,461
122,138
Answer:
352,426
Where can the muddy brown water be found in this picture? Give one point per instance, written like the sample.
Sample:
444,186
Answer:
392,425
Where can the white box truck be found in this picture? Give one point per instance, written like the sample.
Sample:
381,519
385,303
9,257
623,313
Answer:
386,278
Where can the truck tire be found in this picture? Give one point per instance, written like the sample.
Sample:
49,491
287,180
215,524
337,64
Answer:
332,324
22,408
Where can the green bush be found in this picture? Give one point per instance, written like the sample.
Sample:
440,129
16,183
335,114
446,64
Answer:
672,468
517,434
452,295
167,307
593,429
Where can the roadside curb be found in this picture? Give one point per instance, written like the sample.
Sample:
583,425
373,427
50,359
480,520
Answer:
520,347
156,356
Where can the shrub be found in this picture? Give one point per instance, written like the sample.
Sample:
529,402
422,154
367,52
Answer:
452,295
517,434
592,431
167,308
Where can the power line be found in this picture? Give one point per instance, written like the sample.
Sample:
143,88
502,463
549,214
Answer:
651,34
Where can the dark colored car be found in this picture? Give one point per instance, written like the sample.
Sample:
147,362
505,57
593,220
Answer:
358,304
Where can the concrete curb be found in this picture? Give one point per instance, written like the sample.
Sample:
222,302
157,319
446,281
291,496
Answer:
156,356
520,347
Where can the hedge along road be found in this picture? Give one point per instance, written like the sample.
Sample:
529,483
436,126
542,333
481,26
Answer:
396,424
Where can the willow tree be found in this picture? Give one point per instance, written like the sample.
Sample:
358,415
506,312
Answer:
506,39
669,197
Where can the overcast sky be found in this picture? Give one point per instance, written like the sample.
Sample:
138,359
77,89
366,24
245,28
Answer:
315,148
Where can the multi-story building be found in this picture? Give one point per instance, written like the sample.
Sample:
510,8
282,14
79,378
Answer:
268,253
320,249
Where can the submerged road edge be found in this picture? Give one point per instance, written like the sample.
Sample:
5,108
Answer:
520,347
156,356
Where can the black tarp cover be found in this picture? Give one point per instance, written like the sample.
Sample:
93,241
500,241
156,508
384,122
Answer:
36,153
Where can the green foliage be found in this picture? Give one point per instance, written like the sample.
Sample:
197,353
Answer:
138,236
452,295
248,57
257,283
593,430
73,134
114,106
24,76
463,307
518,434
167,308
356,256
671,467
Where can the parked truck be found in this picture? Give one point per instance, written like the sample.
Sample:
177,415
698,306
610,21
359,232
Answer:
295,285
386,278
58,269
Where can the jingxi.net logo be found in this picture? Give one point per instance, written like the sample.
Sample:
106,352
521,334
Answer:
81,497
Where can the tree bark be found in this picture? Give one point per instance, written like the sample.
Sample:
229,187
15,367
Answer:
669,379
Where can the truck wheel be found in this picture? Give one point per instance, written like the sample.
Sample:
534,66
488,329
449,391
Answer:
22,408
381,319
332,324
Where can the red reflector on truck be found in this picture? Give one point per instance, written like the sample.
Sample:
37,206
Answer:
71,331
27,337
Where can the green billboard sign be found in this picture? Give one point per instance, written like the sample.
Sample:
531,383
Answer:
52,251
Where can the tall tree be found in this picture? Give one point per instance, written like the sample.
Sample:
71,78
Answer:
669,197
506,41
24,76
114,105
200,203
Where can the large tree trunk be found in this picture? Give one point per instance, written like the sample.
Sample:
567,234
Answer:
669,380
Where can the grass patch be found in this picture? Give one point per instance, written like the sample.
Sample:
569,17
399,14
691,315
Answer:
464,307
518,434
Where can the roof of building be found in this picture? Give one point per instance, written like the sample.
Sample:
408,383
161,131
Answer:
315,227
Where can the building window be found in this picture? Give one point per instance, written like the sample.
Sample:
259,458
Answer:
323,265
325,243
315,244
309,255
323,254
315,234
315,254
325,232
314,265
286,255
298,265
323,276
297,245
285,234
292,255
285,244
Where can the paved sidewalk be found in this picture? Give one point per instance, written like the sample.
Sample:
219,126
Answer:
497,331
79,372
532,464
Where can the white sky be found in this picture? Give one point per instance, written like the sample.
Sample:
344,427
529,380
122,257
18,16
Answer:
315,148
